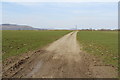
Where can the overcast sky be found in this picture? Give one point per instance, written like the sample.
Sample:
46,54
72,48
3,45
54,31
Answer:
61,14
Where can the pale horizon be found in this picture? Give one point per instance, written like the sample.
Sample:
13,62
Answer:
62,15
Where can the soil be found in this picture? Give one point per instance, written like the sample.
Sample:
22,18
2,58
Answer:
61,59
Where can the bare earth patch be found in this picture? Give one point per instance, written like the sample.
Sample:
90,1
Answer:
61,59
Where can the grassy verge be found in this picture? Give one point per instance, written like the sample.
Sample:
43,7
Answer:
17,42
101,43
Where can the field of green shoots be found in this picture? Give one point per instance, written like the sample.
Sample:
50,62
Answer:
103,44
17,42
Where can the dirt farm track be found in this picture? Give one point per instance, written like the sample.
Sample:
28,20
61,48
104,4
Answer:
61,59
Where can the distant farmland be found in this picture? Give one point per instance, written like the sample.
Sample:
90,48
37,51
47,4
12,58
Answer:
17,42
101,43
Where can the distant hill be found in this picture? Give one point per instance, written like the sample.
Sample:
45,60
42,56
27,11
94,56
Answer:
16,27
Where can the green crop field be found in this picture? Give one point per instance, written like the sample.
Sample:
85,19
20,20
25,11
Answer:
17,42
100,43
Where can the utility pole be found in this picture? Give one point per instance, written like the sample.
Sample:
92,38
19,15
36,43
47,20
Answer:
76,27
